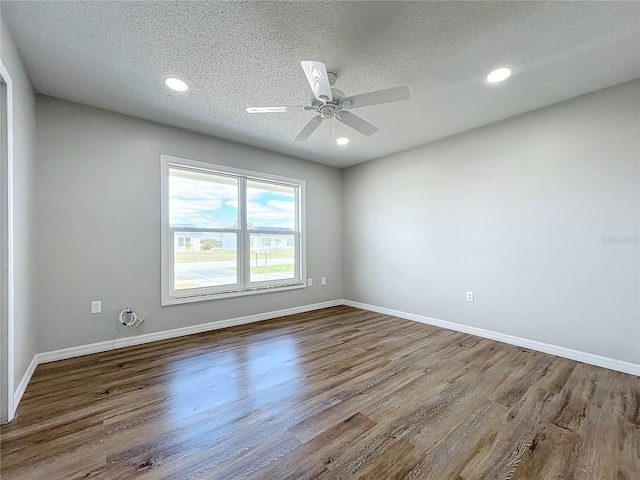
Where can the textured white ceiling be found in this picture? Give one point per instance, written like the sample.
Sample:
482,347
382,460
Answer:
114,55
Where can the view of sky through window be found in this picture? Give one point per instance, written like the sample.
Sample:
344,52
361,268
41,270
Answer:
270,206
202,200
205,200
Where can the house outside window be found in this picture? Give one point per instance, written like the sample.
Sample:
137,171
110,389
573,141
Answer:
228,232
188,243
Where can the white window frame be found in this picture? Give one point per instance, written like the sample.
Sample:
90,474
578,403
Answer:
171,296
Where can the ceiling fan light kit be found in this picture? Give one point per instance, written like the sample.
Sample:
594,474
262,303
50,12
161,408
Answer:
329,102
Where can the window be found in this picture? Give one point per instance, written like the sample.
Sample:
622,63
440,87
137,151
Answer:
228,232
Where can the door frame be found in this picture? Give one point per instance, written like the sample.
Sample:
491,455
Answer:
7,280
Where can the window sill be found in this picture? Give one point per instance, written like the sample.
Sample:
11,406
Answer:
178,300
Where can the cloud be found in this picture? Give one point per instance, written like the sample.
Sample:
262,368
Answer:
197,202
277,215
282,205
272,210
194,206
189,189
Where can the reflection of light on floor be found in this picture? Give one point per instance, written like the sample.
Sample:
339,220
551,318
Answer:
205,395
201,383
273,369
243,377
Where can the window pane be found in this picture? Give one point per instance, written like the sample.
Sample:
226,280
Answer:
205,260
272,257
202,200
271,206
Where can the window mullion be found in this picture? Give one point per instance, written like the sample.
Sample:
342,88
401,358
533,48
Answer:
243,241
298,264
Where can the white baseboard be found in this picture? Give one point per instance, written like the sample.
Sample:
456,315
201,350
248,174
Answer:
71,352
22,386
590,358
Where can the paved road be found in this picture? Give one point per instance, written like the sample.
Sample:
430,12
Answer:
208,274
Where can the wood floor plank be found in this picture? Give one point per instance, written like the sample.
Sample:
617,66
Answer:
500,459
450,455
396,461
311,459
339,393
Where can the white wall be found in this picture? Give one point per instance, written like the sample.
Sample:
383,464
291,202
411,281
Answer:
99,223
24,193
516,212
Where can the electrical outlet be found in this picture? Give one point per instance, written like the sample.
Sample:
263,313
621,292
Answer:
96,306
324,281
470,296
309,283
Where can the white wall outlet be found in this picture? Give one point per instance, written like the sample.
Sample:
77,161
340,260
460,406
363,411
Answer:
470,296
324,281
96,306
309,283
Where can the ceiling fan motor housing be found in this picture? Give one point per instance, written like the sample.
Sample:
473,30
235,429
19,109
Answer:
327,112
337,96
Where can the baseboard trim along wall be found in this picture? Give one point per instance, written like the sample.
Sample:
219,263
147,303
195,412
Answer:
46,357
590,358
22,386
177,332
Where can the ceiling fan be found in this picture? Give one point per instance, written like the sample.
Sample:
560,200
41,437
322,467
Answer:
330,102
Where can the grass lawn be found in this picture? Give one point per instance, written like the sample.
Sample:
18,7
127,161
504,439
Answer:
219,255
287,267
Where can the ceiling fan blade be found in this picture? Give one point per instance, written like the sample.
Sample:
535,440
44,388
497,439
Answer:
318,78
309,128
277,109
356,123
389,95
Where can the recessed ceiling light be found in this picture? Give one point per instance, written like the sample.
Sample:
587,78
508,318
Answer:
498,75
342,141
176,84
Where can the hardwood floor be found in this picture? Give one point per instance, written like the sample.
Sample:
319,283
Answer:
338,393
